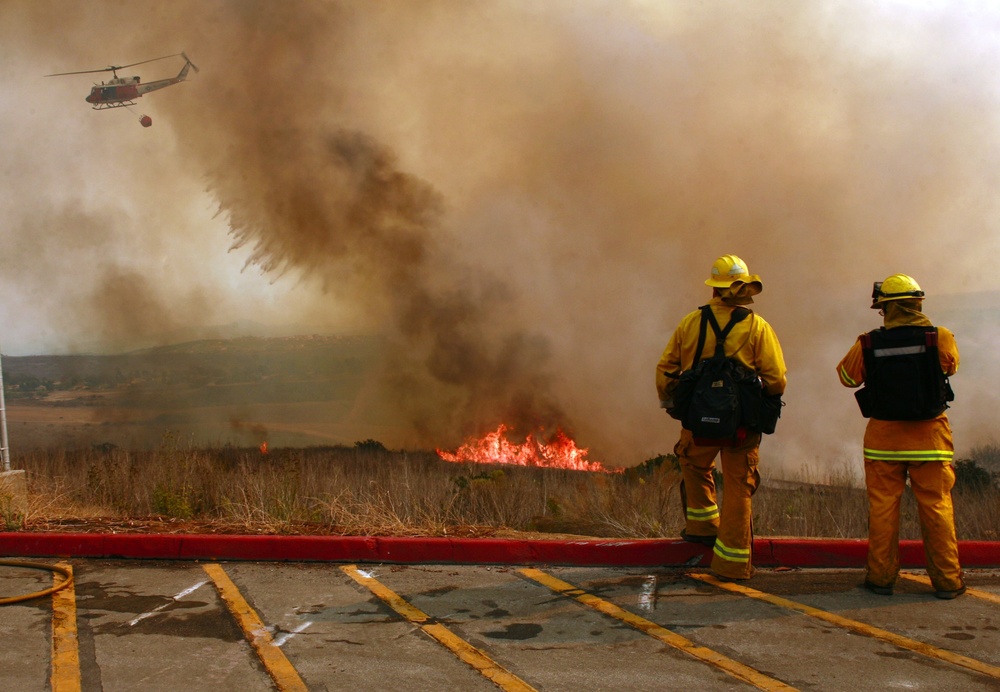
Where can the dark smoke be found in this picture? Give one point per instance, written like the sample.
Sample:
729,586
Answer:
336,204
257,432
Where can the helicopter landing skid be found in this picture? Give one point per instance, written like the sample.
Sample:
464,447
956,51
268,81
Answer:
117,104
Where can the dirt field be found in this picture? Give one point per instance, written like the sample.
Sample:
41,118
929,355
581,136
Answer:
282,424
289,392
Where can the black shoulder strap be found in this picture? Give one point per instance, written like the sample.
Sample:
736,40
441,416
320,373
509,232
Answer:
705,312
708,317
868,351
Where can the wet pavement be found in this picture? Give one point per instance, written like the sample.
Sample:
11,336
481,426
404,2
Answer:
178,626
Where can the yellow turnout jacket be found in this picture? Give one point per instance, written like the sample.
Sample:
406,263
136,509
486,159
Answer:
752,342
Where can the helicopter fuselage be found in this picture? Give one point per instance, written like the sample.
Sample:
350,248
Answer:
116,92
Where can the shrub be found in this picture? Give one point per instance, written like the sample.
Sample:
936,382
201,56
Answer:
648,467
987,456
171,502
369,446
970,476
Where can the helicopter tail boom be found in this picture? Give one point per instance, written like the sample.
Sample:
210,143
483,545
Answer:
160,83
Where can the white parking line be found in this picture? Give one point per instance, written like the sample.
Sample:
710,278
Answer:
288,635
154,611
647,594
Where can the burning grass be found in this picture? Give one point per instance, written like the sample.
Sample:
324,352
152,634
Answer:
560,452
368,490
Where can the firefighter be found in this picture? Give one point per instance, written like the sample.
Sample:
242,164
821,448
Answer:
753,343
908,434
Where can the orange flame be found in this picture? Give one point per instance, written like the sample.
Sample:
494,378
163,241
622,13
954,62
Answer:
494,448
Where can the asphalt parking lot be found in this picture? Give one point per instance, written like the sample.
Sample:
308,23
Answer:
204,625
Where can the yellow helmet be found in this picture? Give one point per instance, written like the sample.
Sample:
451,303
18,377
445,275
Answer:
895,287
727,270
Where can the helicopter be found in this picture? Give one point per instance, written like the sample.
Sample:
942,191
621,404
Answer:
121,92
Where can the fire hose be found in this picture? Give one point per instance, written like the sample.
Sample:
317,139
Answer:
38,594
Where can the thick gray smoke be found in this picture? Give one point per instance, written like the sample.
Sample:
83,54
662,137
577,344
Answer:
526,197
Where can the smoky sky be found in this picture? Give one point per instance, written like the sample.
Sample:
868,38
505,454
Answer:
523,197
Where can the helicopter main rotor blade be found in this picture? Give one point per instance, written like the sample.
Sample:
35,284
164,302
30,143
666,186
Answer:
60,74
112,68
143,62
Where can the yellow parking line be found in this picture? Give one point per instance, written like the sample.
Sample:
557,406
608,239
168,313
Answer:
714,658
285,677
65,643
469,654
855,626
977,593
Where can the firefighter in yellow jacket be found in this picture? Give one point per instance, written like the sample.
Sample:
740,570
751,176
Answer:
908,433
753,343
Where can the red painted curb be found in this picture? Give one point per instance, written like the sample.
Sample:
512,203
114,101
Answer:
768,552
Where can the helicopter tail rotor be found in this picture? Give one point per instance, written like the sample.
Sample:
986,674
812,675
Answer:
188,61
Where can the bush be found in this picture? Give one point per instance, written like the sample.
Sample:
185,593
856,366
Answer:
369,446
649,467
987,456
969,476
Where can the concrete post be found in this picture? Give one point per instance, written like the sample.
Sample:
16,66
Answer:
13,487
4,446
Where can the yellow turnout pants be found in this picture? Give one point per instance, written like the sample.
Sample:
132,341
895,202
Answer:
931,482
731,524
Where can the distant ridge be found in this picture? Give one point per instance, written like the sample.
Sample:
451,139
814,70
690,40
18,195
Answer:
252,344
200,362
232,330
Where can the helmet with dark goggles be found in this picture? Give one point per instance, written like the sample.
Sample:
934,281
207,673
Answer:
895,287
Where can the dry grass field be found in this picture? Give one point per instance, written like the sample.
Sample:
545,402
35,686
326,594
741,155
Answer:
366,489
